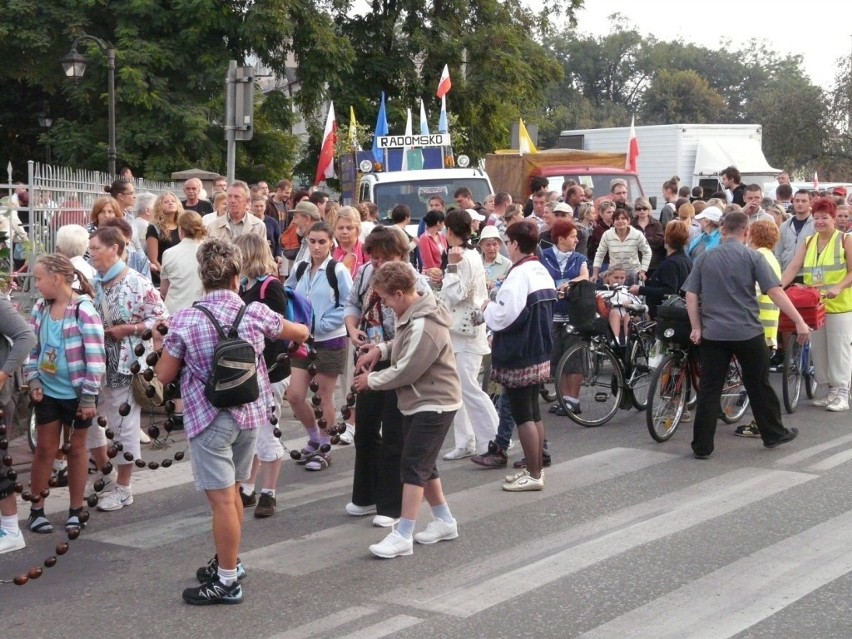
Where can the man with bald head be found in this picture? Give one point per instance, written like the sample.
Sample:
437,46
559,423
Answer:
192,189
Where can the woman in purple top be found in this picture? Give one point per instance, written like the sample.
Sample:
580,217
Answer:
221,441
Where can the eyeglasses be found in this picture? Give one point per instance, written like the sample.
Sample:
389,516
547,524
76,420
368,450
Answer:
642,208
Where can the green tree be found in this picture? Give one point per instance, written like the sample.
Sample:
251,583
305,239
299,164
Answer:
681,96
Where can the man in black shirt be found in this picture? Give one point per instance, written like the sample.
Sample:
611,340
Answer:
192,189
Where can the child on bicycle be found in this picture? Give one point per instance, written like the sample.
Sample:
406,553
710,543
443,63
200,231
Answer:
613,301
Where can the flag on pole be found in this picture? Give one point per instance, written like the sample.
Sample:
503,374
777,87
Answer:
444,85
325,166
816,182
424,125
353,130
525,143
632,148
442,121
406,149
381,129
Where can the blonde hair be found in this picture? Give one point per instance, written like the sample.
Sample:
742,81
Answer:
160,215
101,204
256,256
350,214
395,276
192,226
58,264
332,210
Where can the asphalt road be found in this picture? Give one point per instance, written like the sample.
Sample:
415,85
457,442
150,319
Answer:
630,538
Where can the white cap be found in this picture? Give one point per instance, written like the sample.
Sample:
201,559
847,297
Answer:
475,215
711,213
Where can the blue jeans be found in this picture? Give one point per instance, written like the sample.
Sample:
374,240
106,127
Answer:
506,424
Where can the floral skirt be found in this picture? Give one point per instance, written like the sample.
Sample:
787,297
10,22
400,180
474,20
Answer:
522,377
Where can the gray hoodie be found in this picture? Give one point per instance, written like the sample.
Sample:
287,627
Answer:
423,367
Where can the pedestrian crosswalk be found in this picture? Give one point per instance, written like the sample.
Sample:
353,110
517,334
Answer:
449,590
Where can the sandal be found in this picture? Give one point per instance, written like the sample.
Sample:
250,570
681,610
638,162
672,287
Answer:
39,523
73,521
318,461
307,452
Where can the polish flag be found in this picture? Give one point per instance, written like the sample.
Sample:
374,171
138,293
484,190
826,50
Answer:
632,148
325,166
816,182
444,85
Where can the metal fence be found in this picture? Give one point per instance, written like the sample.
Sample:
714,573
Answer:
57,196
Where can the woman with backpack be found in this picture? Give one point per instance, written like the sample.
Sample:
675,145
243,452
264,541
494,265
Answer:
326,284
221,440
259,284
64,374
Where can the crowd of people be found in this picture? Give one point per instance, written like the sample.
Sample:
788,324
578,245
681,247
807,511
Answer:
405,321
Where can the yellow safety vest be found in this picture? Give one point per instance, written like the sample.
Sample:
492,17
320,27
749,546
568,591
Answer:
823,271
769,313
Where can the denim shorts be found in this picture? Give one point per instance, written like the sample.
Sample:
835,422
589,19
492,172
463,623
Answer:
222,453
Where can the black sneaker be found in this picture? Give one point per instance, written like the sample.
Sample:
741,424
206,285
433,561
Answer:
206,573
213,592
522,463
789,436
265,506
248,500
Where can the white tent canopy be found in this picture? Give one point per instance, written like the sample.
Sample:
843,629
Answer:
746,155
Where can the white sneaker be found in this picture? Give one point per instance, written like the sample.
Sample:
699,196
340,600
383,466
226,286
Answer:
144,438
381,521
516,476
359,511
459,453
116,500
437,530
348,437
825,401
839,404
394,545
511,444
525,483
10,542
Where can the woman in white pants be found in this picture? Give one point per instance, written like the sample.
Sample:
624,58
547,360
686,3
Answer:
463,291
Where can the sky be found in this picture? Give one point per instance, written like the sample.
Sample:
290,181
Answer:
819,30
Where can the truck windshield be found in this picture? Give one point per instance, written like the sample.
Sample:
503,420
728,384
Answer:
600,183
416,193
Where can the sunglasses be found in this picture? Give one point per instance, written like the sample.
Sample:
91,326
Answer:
642,208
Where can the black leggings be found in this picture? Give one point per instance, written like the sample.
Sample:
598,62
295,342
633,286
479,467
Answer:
523,402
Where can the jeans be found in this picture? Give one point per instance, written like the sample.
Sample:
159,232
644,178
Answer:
506,424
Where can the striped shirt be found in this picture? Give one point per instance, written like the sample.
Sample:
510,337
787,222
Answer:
83,334
634,253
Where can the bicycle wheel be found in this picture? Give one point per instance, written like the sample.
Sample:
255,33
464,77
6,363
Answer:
638,378
601,387
734,397
791,386
548,392
668,388
808,373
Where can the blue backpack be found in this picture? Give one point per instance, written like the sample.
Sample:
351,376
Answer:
299,309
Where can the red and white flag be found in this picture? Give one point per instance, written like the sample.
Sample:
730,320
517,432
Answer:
444,85
325,166
816,182
632,148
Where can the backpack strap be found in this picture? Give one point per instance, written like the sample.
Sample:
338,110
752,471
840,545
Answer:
213,320
330,275
264,286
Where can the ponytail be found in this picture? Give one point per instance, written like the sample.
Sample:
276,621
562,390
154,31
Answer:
85,286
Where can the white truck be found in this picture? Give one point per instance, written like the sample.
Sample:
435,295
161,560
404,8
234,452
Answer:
696,153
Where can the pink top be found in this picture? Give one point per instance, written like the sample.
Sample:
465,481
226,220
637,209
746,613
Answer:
354,259
431,251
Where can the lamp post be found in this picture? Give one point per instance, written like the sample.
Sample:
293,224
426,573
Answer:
74,65
45,122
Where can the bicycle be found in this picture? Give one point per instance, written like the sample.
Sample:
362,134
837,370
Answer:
675,382
609,381
798,367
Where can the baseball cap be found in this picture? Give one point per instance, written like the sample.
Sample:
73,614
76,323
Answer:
839,190
563,207
475,215
308,209
710,213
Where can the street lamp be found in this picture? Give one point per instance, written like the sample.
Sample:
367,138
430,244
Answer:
74,65
45,122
